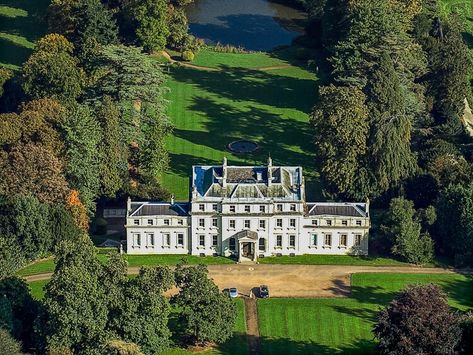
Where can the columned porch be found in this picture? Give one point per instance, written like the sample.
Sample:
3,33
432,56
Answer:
247,241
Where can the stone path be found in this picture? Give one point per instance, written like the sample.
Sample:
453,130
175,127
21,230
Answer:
252,328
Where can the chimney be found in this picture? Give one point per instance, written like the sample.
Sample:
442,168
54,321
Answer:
172,199
270,170
224,173
128,205
367,207
259,176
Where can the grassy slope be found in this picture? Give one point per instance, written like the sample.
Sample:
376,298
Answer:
22,22
211,109
326,326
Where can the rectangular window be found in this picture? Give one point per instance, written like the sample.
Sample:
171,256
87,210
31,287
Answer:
180,222
247,224
232,208
201,207
328,240
214,222
314,222
180,239
292,222
150,222
313,240
358,223
150,239
232,244
215,207
166,222
357,240
279,207
329,222
247,209
136,240
232,224
136,222
343,240
279,223
202,240
214,241
262,209
279,241
201,222
293,207
344,222
166,239
292,241
262,244
262,223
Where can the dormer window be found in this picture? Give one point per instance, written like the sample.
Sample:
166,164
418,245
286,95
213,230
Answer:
201,207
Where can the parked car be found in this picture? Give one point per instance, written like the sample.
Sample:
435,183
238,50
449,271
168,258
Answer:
233,292
264,291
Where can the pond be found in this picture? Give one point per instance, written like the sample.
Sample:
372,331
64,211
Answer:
257,25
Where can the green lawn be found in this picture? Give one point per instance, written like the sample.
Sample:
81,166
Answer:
22,23
37,288
332,260
211,109
343,325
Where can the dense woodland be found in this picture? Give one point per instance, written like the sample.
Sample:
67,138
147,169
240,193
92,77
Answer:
85,121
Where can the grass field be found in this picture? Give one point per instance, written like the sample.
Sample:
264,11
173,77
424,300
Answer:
464,8
22,23
211,109
343,325
332,260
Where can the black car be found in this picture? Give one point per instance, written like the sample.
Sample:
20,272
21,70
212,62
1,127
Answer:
264,291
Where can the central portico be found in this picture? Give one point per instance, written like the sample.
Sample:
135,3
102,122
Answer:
247,241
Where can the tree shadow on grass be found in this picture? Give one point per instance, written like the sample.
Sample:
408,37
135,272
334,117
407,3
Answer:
460,290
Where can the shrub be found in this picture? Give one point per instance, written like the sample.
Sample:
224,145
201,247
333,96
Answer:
187,56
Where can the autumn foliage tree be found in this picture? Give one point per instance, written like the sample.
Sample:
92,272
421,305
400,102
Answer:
78,210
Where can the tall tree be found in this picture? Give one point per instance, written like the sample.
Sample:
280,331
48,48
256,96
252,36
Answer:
52,70
113,150
454,228
207,315
82,135
33,169
403,229
340,120
418,321
150,22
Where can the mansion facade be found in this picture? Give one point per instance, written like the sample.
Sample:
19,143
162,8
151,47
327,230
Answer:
247,212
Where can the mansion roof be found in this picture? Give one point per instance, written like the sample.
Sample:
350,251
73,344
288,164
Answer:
347,209
248,182
139,209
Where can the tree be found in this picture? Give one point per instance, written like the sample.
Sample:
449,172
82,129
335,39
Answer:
454,227
75,301
86,23
8,344
11,257
5,75
142,302
207,315
466,323
340,121
113,150
151,23
78,210
119,347
24,220
403,229
52,70
82,136
178,27
418,321
32,169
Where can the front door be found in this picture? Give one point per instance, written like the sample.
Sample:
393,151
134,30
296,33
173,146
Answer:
247,250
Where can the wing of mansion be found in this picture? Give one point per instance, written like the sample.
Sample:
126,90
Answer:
247,212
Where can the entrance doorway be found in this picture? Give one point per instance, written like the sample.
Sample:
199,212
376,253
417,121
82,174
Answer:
247,250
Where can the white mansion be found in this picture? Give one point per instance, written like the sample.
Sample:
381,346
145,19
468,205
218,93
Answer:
249,212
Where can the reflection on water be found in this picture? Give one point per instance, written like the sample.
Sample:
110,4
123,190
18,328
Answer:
252,24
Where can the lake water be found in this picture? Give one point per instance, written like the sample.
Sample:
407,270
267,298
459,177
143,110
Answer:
252,24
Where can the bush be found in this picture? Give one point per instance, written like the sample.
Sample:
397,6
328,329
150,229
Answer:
100,226
187,56
8,344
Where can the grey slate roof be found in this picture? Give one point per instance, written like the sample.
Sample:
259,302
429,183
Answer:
336,209
159,209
